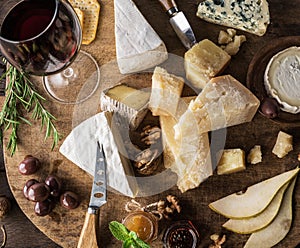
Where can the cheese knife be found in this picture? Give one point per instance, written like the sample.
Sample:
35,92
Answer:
179,23
88,236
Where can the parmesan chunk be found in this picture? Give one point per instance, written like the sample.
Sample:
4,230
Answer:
165,92
283,145
223,102
232,160
204,61
255,155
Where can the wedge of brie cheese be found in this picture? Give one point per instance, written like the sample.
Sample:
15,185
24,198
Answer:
127,101
223,102
165,92
282,77
80,148
248,15
138,46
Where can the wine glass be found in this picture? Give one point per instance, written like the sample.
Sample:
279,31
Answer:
43,38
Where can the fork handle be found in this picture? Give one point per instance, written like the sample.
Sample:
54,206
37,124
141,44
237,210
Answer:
88,236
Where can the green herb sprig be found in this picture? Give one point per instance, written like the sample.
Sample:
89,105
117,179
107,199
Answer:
20,91
129,238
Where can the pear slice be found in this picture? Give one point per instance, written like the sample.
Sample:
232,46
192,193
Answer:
257,222
256,198
279,227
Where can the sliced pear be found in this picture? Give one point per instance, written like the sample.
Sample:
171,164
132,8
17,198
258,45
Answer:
257,222
279,227
256,198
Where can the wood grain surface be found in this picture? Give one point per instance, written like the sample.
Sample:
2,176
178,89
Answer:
64,226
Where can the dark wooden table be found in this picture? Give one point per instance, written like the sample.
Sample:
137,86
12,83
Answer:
285,21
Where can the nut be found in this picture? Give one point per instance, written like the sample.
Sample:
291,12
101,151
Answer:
150,135
5,205
147,161
218,240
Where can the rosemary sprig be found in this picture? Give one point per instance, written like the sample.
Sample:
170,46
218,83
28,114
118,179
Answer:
20,91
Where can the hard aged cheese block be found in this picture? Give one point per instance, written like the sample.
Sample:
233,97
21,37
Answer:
282,77
188,157
165,92
81,144
232,160
204,61
223,102
127,101
283,145
138,46
248,15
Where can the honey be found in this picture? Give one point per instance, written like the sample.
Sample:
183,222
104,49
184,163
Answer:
144,224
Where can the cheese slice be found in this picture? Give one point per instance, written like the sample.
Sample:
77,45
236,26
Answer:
80,148
188,157
127,101
204,61
138,46
223,102
165,92
248,15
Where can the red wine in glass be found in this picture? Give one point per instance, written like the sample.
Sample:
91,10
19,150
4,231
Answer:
41,37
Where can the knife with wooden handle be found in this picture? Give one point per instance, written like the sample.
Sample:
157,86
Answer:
179,23
88,236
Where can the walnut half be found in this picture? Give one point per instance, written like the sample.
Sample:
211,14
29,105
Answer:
147,161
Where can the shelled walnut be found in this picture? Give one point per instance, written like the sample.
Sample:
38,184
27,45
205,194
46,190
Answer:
147,161
218,240
169,207
151,135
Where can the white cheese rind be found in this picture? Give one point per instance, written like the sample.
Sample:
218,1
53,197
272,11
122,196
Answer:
282,77
80,148
138,46
248,15
223,102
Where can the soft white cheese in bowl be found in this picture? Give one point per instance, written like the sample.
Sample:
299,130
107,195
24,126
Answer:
282,79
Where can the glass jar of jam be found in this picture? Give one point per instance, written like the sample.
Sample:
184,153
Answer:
144,224
181,234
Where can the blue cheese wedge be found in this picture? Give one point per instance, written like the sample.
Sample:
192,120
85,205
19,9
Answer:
248,15
282,78
80,148
138,46
129,102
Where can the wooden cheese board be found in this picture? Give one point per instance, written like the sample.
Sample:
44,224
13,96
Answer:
63,226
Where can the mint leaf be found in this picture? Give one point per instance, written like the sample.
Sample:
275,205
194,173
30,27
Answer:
119,231
127,243
141,243
133,235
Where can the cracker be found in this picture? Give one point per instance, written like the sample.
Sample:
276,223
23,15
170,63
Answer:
80,15
91,10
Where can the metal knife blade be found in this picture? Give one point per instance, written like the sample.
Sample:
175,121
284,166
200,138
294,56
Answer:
88,236
98,195
179,23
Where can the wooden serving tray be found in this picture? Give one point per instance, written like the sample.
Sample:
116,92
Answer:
64,226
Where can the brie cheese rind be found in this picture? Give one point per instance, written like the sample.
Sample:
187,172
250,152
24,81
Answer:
223,102
80,148
165,92
248,15
189,157
138,46
281,79
127,101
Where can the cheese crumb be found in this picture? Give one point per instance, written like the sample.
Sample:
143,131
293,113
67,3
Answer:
283,145
255,155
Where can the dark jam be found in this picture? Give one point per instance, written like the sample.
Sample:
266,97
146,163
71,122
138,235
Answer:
181,234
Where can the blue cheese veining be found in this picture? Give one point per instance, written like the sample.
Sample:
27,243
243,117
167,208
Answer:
282,79
248,15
